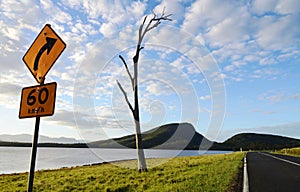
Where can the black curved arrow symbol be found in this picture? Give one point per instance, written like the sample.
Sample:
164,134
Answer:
48,46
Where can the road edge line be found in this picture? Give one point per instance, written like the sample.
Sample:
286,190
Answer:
287,161
245,177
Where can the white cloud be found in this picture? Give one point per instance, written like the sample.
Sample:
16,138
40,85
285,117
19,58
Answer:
275,6
12,33
108,29
276,97
231,29
294,96
205,97
8,95
216,76
261,7
13,9
264,112
171,7
10,89
114,15
278,34
244,34
154,89
288,6
63,117
203,14
266,73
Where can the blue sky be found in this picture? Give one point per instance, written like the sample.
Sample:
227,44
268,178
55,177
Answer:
225,66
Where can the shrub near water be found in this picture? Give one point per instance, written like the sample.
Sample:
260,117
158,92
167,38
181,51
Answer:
199,173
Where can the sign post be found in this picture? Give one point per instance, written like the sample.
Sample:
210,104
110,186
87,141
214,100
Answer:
33,153
38,101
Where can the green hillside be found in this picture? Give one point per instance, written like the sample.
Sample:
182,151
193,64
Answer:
170,136
254,141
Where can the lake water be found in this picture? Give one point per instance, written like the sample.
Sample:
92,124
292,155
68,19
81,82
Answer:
17,159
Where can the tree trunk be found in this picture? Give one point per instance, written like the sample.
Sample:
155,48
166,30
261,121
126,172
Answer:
139,147
138,135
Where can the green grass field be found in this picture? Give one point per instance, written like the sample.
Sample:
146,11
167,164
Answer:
290,151
199,173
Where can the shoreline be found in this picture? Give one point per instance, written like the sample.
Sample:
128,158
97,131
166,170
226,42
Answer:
66,162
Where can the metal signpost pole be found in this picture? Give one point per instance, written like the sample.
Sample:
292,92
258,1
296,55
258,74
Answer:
33,152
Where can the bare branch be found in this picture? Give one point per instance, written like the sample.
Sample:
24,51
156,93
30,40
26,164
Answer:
154,22
153,13
144,20
141,27
126,98
155,25
163,18
128,72
146,29
167,17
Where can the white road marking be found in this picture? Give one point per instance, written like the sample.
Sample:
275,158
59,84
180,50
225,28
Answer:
245,178
287,161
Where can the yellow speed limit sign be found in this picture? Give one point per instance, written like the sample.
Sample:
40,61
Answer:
38,101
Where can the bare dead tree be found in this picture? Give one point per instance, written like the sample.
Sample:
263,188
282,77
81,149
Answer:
152,23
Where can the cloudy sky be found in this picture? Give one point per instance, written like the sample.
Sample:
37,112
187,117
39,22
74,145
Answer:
225,66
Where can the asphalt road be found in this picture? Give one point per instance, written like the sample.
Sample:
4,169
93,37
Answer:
268,172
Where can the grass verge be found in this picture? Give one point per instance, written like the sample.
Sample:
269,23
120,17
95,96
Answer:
199,173
290,151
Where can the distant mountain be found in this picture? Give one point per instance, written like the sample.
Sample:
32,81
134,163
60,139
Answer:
184,136
170,136
26,138
254,141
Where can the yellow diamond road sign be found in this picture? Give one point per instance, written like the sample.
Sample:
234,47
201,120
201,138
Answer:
43,53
